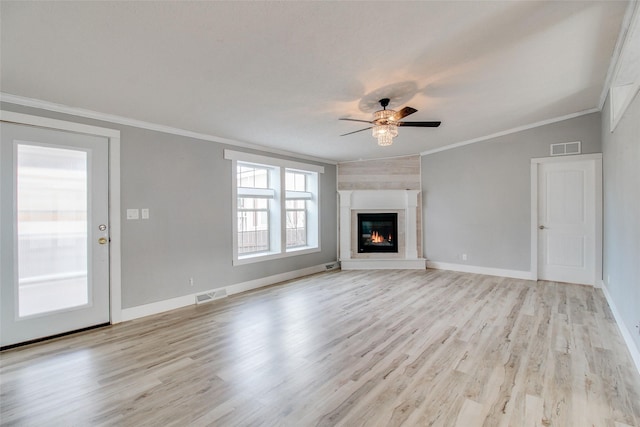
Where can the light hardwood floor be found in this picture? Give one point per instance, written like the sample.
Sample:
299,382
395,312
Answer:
415,348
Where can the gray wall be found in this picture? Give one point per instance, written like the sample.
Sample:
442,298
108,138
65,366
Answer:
621,252
476,198
186,184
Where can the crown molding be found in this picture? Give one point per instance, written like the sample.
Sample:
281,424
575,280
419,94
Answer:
111,118
632,9
510,131
379,158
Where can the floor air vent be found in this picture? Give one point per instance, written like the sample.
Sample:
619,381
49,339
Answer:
210,296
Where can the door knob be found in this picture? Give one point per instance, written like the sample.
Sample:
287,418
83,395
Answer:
541,227
102,240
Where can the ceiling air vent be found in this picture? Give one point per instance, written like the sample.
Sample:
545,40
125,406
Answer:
566,148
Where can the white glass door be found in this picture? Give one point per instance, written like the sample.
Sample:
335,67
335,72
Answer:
55,256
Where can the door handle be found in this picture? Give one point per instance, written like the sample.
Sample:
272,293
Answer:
102,240
541,227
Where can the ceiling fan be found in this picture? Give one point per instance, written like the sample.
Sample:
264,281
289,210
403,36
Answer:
385,123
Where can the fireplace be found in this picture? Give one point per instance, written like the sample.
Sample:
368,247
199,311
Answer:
385,246
377,232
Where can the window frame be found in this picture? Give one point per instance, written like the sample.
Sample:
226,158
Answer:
277,196
297,195
258,193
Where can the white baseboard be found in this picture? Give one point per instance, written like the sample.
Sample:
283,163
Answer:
626,333
190,299
282,277
464,268
157,307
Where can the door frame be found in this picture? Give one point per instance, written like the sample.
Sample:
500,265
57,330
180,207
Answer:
596,158
113,136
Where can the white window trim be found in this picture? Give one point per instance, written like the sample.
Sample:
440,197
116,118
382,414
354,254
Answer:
298,195
278,249
271,161
257,193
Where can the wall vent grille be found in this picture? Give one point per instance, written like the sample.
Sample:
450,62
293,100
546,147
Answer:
211,296
331,266
566,148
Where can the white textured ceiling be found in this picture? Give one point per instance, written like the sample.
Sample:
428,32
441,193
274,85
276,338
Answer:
280,74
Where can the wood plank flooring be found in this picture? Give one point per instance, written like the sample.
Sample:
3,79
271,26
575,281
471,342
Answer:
348,348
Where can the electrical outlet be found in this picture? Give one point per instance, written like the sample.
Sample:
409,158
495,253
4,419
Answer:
464,257
191,281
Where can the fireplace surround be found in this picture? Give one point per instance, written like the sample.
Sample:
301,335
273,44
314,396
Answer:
404,204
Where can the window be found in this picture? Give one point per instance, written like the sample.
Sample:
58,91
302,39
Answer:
296,208
253,209
276,207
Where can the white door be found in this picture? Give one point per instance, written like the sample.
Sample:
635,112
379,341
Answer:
567,221
54,232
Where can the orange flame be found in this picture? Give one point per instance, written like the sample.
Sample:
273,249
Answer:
377,237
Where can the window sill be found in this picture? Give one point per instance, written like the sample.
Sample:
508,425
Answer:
268,256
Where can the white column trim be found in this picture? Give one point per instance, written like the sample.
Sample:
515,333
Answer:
411,221
345,225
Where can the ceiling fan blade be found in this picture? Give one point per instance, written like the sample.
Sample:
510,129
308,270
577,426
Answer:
420,124
404,113
356,120
356,131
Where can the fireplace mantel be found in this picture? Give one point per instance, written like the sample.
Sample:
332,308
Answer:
404,201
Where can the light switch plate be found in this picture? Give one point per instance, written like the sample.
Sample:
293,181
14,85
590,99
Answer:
145,213
132,214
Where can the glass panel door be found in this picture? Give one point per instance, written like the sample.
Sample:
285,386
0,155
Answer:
52,229
54,232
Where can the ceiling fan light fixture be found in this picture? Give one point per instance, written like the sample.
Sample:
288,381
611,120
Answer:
385,123
385,140
384,128
383,115
385,134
